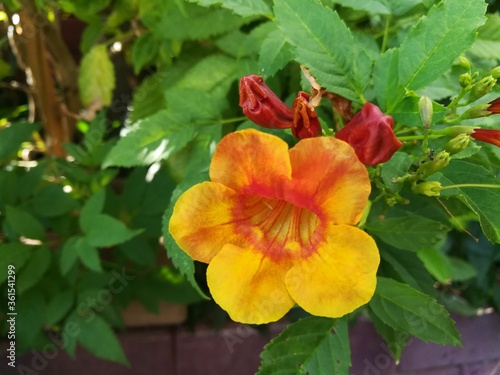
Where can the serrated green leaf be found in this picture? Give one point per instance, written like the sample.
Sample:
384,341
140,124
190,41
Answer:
274,54
96,80
15,254
435,42
404,308
168,21
144,50
24,223
313,345
487,44
241,7
386,7
52,201
485,202
107,231
179,258
13,136
95,335
151,140
325,45
34,269
58,306
385,77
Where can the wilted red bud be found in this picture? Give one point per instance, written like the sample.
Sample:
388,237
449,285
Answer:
494,107
487,135
262,106
371,134
305,119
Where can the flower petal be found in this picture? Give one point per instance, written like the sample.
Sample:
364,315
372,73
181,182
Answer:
340,277
329,179
248,285
201,223
252,162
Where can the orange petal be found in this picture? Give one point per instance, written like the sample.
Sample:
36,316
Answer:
249,286
201,223
340,277
329,179
252,162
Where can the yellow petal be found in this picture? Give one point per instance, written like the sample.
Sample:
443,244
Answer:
329,179
339,277
201,222
249,286
252,162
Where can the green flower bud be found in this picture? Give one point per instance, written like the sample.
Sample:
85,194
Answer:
433,165
480,110
429,188
453,131
426,111
495,72
457,144
465,80
464,63
481,88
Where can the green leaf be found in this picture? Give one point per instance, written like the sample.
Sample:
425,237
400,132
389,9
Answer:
88,254
29,320
485,202
52,201
151,140
179,258
405,266
69,254
274,54
385,77
96,80
34,269
405,309
58,307
325,45
313,345
435,42
98,338
385,7
15,254
396,340
404,229
168,21
487,45
396,167
241,7
24,223
93,207
13,136
107,231
144,50
437,263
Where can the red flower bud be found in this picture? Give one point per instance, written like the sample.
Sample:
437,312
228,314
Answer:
487,135
262,106
305,119
371,134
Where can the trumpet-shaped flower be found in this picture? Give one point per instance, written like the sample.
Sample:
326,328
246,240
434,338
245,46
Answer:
487,135
277,227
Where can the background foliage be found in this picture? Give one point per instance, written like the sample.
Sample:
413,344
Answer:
102,134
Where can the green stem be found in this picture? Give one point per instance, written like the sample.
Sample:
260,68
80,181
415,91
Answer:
222,122
386,34
420,137
470,185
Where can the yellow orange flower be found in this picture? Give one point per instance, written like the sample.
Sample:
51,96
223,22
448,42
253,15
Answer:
277,227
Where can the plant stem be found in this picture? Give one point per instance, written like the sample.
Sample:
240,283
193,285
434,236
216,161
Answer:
386,34
419,137
493,186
